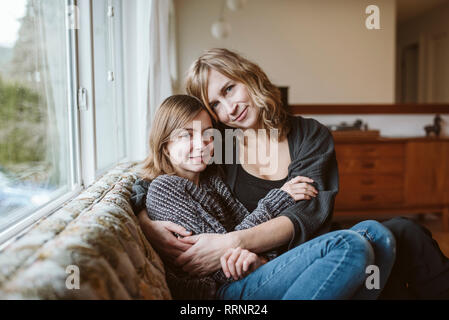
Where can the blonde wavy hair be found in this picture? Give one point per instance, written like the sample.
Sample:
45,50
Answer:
174,113
263,93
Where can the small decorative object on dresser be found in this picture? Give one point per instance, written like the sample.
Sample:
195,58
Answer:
358,130
392,176
343,126
436,128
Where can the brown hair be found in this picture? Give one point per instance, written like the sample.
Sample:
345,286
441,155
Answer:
265,95
174,113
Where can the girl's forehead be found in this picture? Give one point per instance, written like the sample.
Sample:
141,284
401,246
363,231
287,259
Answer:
201,121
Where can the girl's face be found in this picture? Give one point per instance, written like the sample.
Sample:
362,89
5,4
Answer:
231,102
190,148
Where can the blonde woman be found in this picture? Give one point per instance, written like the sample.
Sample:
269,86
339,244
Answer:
186,190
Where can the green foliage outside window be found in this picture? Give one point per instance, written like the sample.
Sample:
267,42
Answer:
22,125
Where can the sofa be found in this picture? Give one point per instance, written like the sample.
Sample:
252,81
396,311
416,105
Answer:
91,248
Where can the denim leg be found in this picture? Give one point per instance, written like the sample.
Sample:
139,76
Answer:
331,266
384,246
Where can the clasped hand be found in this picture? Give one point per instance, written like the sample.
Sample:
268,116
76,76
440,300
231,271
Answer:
234,261
238,262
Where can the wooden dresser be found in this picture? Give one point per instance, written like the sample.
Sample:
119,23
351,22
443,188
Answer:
392,176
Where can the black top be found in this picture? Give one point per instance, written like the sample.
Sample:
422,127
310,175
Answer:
250,189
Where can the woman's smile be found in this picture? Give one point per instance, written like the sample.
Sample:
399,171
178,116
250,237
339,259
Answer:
242,115
198,159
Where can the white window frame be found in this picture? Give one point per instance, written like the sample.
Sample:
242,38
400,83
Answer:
86,81
90,170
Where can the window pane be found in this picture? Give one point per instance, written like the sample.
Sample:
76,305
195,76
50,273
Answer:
109,107
35,148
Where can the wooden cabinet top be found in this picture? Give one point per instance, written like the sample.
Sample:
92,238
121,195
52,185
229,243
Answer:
389,139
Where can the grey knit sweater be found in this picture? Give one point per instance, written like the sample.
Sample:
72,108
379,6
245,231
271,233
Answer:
206,208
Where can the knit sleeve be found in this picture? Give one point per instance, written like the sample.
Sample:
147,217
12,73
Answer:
267,208
139,195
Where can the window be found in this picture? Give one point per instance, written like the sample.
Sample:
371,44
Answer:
53,139
109,107
37,155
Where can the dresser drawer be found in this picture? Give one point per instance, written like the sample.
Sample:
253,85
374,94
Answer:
370,166
350,199
370,150
360,182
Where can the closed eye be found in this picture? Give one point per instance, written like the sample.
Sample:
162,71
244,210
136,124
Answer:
181,134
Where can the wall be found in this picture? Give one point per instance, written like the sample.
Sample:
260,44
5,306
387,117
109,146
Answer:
321,49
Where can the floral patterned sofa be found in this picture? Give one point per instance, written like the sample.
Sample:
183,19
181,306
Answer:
96,232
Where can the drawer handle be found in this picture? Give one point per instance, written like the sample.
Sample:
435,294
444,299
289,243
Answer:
367,181
368,165
367,197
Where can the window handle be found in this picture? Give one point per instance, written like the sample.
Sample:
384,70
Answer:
111,76
82,99
111,12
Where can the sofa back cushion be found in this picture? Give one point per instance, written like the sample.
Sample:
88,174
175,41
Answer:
95,236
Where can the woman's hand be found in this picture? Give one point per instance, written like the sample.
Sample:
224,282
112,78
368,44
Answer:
203,257
160,235
300,189
238,262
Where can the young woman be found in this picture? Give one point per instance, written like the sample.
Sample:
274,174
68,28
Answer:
185,191
238,94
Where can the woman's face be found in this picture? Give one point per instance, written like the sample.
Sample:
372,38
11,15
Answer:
190,148
231,102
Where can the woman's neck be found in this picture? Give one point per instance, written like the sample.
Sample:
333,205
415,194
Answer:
257,125
260,137
251,134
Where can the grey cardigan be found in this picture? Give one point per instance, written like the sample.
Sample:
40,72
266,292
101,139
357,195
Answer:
206,208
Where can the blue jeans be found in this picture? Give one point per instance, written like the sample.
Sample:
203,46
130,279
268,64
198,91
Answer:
331,266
